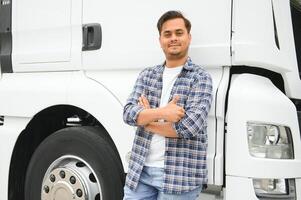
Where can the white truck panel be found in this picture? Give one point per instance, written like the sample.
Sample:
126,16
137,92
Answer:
255,99
47,35
254,43
43,31
39,91
238,187
25,94
130,36
221,95
298,185
292,81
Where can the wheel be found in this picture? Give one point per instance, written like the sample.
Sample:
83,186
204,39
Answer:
74,163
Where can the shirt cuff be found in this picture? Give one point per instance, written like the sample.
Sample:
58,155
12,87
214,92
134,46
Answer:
135,112
177,128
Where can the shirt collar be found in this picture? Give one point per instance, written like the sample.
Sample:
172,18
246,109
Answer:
188,65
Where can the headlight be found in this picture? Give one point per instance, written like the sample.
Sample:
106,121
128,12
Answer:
270,141
275,188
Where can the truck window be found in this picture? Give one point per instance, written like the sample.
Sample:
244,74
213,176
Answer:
296,18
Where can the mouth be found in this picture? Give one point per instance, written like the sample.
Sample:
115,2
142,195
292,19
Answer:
174,45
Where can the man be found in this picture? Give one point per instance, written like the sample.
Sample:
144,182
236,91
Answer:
170,105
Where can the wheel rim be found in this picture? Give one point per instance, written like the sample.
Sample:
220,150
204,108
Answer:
70,177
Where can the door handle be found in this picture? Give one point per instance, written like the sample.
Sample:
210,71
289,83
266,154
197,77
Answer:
92,37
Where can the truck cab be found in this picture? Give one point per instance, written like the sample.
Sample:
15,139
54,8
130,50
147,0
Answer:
67,68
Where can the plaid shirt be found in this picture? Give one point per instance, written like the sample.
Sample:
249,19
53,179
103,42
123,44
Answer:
185,165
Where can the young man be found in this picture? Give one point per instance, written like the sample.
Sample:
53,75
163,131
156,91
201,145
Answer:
170,105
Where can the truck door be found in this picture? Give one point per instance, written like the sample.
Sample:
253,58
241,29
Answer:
46,35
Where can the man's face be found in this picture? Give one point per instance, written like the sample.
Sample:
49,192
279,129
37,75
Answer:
174,39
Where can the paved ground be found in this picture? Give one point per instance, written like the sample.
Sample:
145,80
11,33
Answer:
208,197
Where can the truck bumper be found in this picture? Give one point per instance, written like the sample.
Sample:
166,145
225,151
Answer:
238,187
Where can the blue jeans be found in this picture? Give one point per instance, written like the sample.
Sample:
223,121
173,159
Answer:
150,187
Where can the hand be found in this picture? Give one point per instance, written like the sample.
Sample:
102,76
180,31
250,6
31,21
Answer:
144,102
173,112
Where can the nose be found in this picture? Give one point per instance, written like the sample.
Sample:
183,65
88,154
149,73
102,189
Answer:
174,38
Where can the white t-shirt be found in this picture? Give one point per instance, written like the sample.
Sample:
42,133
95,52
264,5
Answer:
155,157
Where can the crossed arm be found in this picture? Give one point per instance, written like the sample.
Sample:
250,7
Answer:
177,122
151,118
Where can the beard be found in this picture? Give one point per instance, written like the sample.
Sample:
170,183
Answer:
176,55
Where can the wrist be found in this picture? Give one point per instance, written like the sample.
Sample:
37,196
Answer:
161,113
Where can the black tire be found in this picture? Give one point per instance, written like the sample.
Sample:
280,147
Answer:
83,142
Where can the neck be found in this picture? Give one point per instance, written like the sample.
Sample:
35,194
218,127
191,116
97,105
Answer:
175,62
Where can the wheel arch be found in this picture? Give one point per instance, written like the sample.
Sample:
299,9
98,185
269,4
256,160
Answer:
43,124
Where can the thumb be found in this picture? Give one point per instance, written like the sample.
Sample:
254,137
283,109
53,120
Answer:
175,99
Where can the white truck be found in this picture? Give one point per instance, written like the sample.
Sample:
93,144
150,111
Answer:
67,67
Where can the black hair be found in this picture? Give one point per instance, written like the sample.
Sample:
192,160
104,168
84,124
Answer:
172,14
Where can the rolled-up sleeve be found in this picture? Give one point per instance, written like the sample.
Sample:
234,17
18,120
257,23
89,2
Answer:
196,108
131,108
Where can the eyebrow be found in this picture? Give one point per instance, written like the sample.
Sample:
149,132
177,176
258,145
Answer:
177,30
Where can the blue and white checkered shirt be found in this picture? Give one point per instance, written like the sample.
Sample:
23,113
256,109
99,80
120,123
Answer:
185,157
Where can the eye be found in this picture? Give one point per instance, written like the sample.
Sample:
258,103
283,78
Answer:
167,34
179,33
